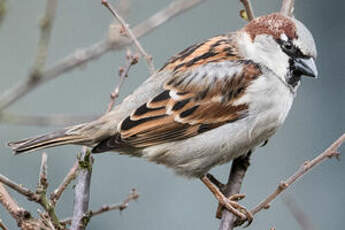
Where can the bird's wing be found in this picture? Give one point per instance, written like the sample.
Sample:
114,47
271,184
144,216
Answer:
201,94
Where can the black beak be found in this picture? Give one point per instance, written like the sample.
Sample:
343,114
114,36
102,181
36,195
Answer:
305,66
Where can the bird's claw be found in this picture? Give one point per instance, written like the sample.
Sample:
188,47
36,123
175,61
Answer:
232,205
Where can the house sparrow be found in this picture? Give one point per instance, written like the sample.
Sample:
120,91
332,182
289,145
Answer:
212,102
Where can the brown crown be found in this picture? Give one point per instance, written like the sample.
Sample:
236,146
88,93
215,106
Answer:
274,24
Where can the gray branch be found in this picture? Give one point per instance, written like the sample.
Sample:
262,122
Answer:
82,191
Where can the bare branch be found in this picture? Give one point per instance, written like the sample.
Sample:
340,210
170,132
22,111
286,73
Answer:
106,208
19,188
71,175
45,120
287,7
123,72
233,186
82,56
11,206
248,9
82,191
128,30
330,152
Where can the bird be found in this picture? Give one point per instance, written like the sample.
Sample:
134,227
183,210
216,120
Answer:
209,104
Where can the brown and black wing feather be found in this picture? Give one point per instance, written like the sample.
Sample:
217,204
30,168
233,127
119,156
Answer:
201,95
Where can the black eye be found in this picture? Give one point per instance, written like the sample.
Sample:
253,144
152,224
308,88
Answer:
287,46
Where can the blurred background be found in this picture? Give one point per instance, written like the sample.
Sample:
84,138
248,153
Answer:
167,201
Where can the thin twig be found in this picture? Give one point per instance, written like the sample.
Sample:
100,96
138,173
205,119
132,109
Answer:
82,191
123,72
71,175
287,7
128,30
330,152
82,56
248,8
298,213
19,188
45,120
106,208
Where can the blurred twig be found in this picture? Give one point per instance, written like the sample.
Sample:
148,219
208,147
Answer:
287,7
298,213
248,9
82,56
36,74
130,33
42,49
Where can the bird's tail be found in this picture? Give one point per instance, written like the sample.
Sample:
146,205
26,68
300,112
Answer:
65,136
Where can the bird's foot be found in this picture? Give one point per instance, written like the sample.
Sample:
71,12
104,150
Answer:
231,203
241,213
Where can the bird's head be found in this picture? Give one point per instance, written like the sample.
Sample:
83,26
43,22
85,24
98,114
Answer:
282,44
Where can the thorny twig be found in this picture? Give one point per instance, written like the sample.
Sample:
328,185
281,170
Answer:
131,197
82,56
123,73
71,175
130,33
